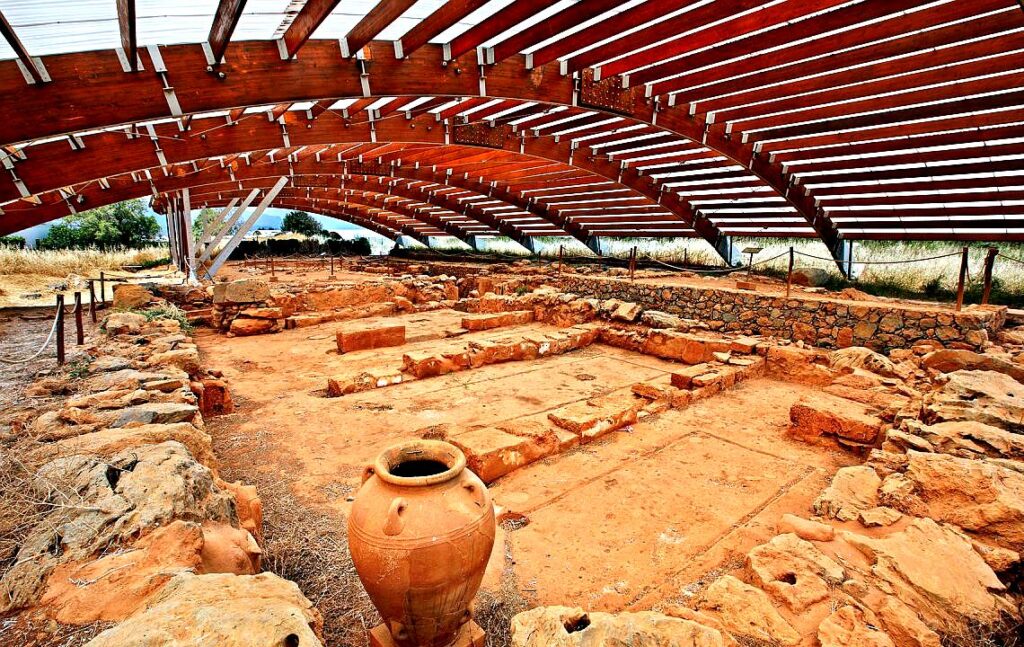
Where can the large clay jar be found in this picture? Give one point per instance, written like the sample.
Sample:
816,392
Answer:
421,533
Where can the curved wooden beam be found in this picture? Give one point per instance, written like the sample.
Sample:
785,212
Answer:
321,71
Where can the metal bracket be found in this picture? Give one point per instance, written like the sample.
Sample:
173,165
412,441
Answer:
122,57
40,68
364,76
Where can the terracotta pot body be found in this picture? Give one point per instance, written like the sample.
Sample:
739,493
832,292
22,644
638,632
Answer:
421,532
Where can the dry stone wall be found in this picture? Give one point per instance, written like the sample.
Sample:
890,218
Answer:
881,326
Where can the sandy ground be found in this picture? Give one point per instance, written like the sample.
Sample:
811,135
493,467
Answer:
632,520
40,290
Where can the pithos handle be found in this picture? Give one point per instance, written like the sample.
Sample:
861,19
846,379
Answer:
368,471
393,523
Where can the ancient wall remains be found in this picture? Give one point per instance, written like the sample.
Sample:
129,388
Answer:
881,325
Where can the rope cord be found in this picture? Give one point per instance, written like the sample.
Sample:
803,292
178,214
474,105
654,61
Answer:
913,260
53,329
1010,258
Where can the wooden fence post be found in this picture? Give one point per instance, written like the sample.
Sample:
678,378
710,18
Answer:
962,280
92,300
60,329
990,262
789,274
103,289
79,330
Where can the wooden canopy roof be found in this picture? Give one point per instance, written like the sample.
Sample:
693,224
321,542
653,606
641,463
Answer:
840,119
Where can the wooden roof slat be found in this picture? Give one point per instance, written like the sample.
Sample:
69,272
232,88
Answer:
305,23
375,21
444,17
496,23
224,23
19,49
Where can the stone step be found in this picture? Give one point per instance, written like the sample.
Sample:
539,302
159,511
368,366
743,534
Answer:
497,320
596,417
370,337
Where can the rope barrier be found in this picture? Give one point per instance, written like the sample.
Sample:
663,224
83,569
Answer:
913,260
53,329
1010,258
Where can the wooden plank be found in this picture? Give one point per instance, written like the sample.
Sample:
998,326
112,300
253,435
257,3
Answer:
375,21
433,25
498,22
305,23
129,32
224,23
19,49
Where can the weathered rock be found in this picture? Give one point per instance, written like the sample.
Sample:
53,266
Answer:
568,627
852,490
128,296
951,360
659,319
627,312
107,503
969,439
810,276
805,528
116,585
108,442
223,610
796,365
747,611
880,516
847,627
793,571
973,494
242,291
186,359
863,358
123,323
812,419
156,413
908,561
904,626
214,397
983,396
244,327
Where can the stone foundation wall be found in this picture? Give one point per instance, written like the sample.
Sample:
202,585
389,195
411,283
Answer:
829,323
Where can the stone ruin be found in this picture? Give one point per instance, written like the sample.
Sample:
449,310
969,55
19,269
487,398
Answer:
907,531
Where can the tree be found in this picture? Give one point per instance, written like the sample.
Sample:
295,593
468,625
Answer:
301,222
362,247
121,225
201,223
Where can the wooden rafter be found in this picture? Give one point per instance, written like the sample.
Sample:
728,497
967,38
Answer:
224,22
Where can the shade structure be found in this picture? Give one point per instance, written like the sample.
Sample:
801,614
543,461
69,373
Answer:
841,120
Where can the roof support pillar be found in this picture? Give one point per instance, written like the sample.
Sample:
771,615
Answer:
222,257
187,242
226,227
172,233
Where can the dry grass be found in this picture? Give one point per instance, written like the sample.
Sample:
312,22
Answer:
61,263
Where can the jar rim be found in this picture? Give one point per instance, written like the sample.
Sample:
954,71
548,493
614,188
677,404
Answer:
447,454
